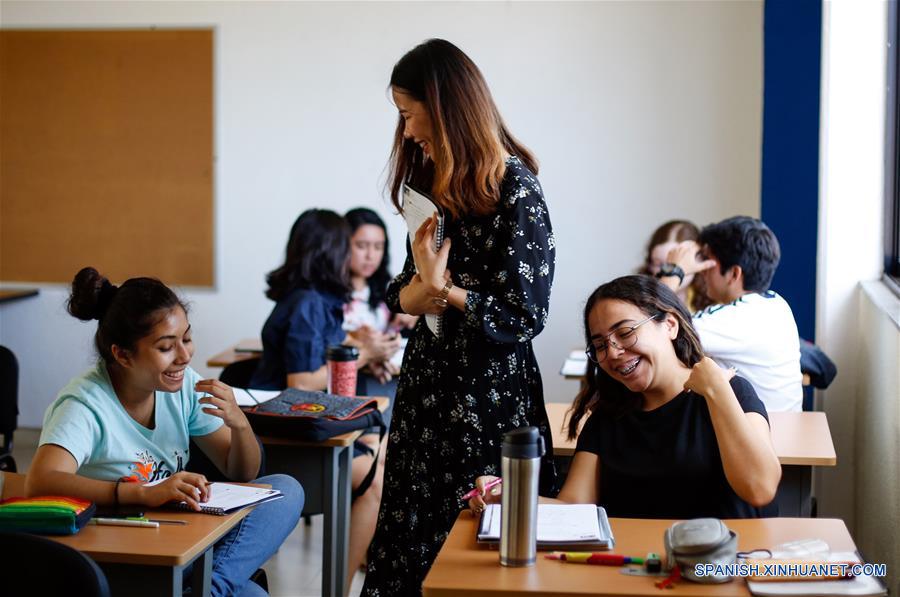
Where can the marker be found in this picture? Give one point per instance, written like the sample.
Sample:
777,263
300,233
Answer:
475,491
597,559
123,522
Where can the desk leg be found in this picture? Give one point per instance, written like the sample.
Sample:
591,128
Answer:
336,532
201,574
793,495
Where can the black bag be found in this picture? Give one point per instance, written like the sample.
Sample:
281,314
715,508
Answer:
316,416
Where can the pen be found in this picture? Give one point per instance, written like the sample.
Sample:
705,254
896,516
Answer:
475,491
159,520
123,522
597,559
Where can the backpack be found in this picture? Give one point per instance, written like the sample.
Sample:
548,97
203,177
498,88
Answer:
317,416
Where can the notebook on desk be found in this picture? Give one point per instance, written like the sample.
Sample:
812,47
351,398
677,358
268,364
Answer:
225,498
564,527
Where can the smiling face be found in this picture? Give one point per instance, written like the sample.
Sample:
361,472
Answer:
644,366
417,122
366,250
159,359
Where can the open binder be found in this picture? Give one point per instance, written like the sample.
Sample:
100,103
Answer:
562,527
417,208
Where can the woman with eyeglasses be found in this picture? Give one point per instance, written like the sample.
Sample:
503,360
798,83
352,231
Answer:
669,433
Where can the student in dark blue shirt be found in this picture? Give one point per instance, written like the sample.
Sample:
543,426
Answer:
310,290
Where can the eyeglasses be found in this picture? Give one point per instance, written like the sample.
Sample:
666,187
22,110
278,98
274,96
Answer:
622,338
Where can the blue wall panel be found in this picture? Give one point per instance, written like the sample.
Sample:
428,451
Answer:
790,155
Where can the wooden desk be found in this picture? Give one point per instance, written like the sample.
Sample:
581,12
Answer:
231,355
323,468
464,568
143,561
802,440
13,294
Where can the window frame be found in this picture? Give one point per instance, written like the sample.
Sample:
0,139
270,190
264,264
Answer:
892,154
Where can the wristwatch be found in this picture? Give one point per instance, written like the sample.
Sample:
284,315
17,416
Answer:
671,269
441,299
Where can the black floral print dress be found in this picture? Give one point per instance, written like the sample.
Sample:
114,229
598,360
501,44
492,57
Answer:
460,393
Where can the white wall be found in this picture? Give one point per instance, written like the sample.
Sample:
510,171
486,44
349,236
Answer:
639,112
850,218
877,432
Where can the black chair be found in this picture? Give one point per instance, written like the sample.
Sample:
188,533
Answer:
9,406
39,566
238,374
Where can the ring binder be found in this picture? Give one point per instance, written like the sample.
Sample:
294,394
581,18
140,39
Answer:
417,208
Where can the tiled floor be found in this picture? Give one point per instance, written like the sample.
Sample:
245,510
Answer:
295,571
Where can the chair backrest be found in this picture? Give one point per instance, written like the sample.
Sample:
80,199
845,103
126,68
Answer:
9,391
238,374
35,565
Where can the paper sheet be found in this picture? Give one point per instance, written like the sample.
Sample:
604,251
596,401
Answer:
253,397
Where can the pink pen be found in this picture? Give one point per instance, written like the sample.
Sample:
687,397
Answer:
475,491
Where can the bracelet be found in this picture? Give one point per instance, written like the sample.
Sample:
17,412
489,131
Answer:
116,493
441,299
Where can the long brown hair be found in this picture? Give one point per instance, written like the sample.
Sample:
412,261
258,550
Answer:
675,230
653,298
467,165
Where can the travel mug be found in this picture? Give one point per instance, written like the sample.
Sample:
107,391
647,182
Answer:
521,453
341,367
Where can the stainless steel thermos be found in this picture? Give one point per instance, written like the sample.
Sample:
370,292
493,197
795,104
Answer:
521,453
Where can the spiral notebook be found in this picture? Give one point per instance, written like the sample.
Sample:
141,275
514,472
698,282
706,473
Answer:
225,498
417,208
568,527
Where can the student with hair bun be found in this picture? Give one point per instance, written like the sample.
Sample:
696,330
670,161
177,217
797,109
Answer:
128,421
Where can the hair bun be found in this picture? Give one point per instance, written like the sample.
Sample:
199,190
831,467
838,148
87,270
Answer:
91,295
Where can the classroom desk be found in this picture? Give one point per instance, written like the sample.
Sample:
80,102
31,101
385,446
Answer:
464,568
323,468
232,355
13,294
143,561
802,440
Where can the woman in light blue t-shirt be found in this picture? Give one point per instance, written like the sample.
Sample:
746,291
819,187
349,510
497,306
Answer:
128,421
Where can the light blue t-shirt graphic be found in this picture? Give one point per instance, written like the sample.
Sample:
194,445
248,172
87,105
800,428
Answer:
88,421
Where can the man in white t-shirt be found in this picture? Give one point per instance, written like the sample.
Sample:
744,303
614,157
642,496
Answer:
751,328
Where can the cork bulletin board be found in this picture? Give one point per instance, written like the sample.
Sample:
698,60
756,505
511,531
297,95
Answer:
106,154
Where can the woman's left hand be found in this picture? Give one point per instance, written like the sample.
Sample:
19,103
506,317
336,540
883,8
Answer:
431,265
707,377
221,397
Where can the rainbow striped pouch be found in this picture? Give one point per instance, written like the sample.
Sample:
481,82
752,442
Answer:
45,515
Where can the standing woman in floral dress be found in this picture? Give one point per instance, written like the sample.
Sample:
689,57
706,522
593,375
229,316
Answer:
460,392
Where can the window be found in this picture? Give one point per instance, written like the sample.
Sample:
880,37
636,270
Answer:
892,154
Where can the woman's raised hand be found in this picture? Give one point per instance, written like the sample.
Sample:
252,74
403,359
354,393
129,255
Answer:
491,496
180,487
431,265
222,403
707,378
